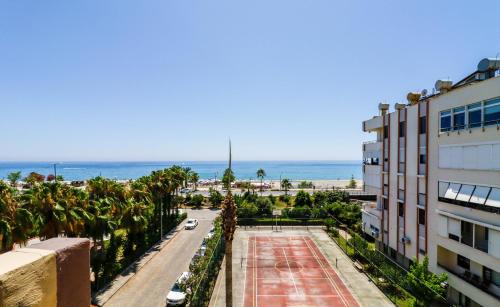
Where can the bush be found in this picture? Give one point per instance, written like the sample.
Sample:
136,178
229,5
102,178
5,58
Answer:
303,199
286,199
197,200
247,210
305,185
215,197
299,212
272,198
264,205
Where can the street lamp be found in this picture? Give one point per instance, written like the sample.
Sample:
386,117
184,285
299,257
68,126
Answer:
280,180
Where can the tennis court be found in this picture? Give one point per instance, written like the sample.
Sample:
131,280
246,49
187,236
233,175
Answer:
291,271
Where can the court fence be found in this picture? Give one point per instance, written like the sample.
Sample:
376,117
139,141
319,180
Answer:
202,292
386,274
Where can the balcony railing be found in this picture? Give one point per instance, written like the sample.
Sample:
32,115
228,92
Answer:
471,126
471,278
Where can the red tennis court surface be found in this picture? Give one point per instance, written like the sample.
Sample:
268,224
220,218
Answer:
291,271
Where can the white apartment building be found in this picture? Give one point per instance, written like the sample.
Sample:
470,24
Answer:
435,168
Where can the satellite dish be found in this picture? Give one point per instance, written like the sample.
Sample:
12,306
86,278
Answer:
424,92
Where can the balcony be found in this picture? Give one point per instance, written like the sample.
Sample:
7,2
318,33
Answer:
468,276
471,279
372,146
373,124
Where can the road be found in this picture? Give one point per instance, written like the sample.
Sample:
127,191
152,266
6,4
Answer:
292,192
150,285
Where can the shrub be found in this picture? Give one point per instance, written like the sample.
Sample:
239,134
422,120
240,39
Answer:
305,185
285,198
247,210
197,200
300,212
303,199
215,197
272,198
264,205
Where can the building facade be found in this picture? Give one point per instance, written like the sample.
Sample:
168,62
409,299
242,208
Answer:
435,168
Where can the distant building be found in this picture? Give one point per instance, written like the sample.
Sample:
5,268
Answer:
435,168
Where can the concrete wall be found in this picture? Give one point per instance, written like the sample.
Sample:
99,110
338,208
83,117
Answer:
51,273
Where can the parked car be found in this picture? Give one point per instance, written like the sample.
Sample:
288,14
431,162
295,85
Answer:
186,190
191,224
199,253
177,296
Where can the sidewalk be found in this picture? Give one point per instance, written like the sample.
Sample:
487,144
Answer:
101,297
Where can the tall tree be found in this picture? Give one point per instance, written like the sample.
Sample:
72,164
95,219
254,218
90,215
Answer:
14,177
228,178
261,174
426,285
286,185
229,226
194,178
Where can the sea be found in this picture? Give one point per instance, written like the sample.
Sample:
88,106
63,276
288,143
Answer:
244,170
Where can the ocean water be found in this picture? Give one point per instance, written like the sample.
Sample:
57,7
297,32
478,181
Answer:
294,170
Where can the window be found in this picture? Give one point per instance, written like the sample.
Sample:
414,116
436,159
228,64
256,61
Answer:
452,191
401,209
474,114
443,187
479,195
494,198
422,159
402,129
495,278
445,122
421,216
386,132
384,202
422,125
492,112
465,192
459,118
463,262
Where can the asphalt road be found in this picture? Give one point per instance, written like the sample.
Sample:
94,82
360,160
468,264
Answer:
149,286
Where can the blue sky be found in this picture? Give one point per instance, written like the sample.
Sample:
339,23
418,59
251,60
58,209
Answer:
173,80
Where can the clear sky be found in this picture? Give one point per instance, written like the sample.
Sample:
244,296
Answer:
173,80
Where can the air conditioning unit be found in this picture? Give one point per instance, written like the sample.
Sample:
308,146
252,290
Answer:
375,233
405,240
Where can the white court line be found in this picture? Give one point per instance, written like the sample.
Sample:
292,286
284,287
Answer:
291,274
301,295
246,269
255,271
342,298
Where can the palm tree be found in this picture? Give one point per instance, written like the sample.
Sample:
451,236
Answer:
194,178
261,174
285,183
14,177
229,226
16,222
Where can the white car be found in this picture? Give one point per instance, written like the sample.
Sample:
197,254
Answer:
191,224
186,191
177,296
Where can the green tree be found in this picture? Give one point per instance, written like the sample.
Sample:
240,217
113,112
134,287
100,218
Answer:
16,222
286,185
194,178
197,200
33,178
352,183
215,197
228,178
303,199
426,286
261,174
14,177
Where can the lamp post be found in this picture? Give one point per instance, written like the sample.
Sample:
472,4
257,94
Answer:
55,172
280,180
